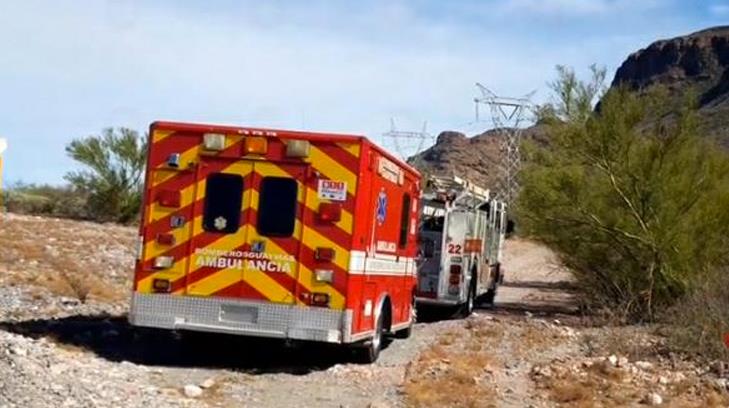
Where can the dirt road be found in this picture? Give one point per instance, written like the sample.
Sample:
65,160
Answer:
530,350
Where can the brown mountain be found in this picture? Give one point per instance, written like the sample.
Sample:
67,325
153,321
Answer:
697,63
474,158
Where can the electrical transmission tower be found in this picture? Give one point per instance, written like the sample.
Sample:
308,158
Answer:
408,144
507,115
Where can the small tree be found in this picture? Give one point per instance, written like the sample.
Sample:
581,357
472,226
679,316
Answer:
112,179
632,198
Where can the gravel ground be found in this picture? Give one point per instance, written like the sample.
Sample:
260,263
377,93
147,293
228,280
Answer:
57,351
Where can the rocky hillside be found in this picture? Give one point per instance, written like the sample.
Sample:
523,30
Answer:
697,63
474,158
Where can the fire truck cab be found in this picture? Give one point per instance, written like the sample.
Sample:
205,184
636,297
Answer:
276,233
461,235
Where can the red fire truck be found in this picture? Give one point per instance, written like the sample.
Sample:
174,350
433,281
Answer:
276,233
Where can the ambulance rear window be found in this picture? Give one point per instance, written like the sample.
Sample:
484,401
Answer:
222,207
277,207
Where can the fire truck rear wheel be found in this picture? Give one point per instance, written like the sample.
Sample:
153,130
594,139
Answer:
371,350
466,309
488,297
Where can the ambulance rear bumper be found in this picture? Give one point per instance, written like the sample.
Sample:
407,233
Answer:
242,317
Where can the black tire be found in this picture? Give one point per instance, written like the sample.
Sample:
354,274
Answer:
369,353
488,297
466,309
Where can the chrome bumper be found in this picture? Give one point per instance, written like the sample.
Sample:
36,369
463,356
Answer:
241,317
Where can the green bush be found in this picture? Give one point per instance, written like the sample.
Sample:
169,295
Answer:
112,178
633,199
63,201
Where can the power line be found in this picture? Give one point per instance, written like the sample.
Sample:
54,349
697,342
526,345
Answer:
507,115
408,143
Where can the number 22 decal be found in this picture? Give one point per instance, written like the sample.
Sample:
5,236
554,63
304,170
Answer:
454,249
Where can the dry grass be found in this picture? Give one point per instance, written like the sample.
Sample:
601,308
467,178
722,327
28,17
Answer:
455,371
599,386
66,258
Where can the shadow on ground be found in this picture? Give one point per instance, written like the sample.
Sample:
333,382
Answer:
561,286
113,338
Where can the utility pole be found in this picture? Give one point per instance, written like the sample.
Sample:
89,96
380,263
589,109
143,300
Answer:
409,143
507,115
3,147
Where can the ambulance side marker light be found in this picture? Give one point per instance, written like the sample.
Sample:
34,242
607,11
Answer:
161,285
320,299
214,141
298,148
324,275
163,262
330,212
173,160
168,198
324,254
255,145
166,239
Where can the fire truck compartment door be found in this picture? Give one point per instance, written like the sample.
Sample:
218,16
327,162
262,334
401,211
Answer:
246,239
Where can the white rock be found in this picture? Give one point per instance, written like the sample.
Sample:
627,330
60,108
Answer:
622,362
208,383
644,365
721,384
653,399
19,351
663,380
613,359
192,391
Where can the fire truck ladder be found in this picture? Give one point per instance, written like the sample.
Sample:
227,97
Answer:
457,191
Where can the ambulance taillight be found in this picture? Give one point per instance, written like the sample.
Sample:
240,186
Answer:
330,212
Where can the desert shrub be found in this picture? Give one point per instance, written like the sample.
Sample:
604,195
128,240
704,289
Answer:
636,207
34,199
700,321
112,178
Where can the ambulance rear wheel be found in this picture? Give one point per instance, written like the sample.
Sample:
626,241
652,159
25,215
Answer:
371,350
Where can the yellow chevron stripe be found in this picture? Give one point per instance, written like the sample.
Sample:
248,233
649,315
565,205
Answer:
306,279
263,283
332,169
346,223
152,249
187,196
191,155
160,135
309,238
162,173
352,148
313,239
257,279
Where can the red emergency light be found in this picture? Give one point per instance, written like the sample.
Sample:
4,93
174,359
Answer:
330,212
168,198
166,239
324,254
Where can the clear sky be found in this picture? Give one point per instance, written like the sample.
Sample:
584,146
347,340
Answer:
70,68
